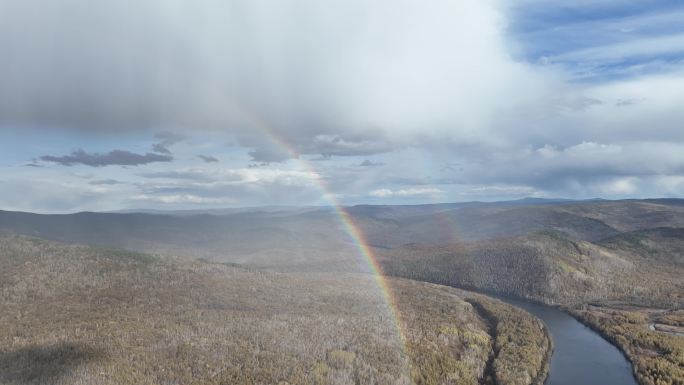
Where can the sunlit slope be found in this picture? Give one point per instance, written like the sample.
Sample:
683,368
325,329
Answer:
82,315
393,226
548,266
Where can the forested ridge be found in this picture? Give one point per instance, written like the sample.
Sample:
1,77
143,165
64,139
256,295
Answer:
633,266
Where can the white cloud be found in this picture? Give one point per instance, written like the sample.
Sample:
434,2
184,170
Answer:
500,191
619,186
419,84
381,193
183,199
254,175
409,192
369,76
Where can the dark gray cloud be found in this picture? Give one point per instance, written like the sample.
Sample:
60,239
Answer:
167,139
324,145
112,158
350,145
628,102
584,168
258,165
269,154
451,167
208,158
312,76
104,182
183,175
368,163
160,148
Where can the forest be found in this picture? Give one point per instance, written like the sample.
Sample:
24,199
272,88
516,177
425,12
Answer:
83,315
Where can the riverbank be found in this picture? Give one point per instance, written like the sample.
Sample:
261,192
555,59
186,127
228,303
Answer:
521,346
580,355
656,357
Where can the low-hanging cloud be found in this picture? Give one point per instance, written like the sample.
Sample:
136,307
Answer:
340,78
208,158
112,158
369,163
166,140
105,182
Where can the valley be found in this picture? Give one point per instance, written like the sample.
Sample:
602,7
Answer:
259,287
354,192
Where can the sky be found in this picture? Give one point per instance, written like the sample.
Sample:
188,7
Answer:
173,104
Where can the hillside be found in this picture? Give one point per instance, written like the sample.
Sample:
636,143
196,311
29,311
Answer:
552,268
283,240
652,338
313,239
566,253
628,286
81,315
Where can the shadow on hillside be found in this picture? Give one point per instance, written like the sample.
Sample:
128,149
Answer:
44,364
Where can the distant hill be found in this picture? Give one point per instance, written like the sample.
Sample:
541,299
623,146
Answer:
266,239
313,239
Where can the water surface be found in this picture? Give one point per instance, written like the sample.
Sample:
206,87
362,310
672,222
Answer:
580,355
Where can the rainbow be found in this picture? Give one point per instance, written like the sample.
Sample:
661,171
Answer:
348,224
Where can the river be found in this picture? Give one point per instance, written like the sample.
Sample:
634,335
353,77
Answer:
580,356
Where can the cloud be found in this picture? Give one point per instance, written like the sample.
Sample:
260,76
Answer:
257,165
168,139
640,50
368,163
237,176
601,40
182,199
208,158
242,187
585,168
410,192
341,79
337,145
194,175
115,157
32,164
381,193
160,149
41,195
269,154
628,102
471,98
101,182
500,190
